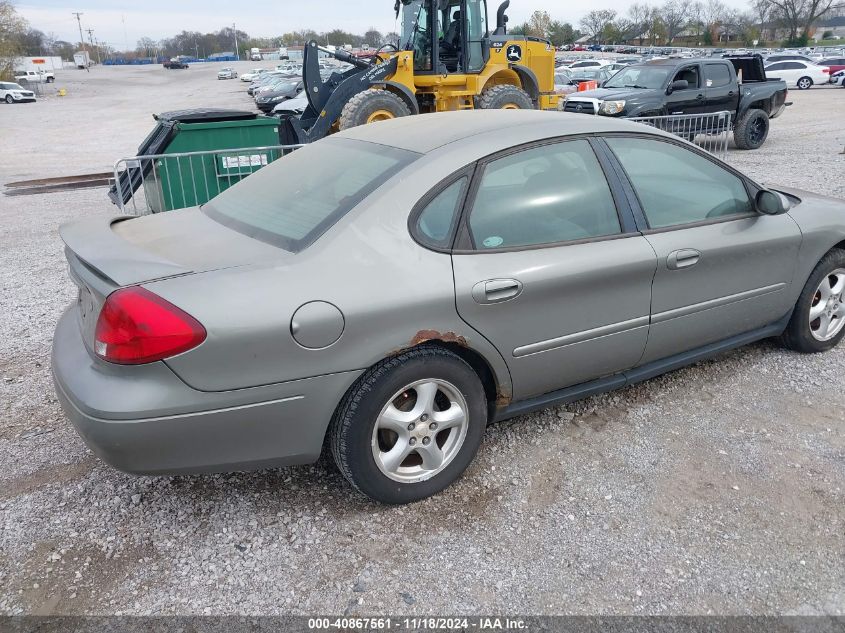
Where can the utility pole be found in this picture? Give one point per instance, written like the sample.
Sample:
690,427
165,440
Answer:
79,23
237,52
91,39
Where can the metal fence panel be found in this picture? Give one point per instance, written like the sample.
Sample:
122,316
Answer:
709,130
164,182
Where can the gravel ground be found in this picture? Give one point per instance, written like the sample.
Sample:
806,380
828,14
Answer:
719,488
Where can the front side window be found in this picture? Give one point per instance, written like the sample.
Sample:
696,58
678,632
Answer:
676,186
544,195
291,202
688,74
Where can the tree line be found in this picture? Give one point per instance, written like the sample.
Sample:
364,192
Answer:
702,21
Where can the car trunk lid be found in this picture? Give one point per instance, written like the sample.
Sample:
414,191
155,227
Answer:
105,254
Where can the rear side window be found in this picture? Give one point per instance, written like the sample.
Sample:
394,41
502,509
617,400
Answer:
778,66
794,66
716,75
293,201
435,222
676,186
544,195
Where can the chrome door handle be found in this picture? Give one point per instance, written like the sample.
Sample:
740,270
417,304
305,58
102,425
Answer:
496,290
683,258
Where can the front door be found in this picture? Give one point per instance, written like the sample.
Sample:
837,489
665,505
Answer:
549,271
690,100
722,268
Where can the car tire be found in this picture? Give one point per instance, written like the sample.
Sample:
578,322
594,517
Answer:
370,106
9,99
50,80
752,129
504,97
363,433
805,83
807,335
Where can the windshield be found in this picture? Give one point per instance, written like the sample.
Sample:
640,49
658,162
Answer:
296,199
12,87
652,77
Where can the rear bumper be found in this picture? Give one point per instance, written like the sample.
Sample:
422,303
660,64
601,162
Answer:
145,420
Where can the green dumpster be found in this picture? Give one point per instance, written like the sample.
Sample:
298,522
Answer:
199,154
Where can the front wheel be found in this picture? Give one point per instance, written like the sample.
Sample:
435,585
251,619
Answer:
410,426
50,80
371,106
805,83
504,97
818,320
9,99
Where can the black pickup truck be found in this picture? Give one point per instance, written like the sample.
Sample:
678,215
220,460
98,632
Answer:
692,86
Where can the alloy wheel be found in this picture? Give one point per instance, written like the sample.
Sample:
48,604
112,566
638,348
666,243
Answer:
420,430
827,310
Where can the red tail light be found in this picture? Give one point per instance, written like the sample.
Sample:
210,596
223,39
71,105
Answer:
826,70
136,326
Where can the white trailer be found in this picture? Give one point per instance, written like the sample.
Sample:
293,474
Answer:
81,59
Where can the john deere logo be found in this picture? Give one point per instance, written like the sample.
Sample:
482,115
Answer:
514,53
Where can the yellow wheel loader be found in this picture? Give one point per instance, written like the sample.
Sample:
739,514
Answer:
446,59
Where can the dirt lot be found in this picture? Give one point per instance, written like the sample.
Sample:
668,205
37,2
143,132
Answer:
716,489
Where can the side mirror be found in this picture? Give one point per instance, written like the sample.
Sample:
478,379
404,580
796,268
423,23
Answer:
770,203
678,84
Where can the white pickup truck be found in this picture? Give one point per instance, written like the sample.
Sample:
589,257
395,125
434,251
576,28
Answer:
35,76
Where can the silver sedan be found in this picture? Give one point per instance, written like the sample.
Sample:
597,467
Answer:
389,291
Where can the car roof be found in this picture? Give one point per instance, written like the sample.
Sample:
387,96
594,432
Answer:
423,133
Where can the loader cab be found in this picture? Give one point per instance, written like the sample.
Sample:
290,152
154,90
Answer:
446,36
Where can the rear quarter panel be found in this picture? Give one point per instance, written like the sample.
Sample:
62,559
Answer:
392,292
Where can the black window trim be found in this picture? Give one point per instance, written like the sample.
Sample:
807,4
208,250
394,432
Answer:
751,188
463,245
417,210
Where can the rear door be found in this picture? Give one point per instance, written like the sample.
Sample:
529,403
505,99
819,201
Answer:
549,267
722,268
721,92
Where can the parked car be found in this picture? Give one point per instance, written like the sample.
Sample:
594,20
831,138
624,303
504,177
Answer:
564,84
253,74
835,64
599,75
175,64
788,57
518,279
294,106
838,79
802,75
587,63
287,90
36,76
681,86
14,93
227,73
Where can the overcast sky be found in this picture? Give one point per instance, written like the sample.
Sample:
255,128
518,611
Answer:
121,24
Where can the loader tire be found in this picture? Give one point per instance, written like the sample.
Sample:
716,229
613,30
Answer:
371,106
504,97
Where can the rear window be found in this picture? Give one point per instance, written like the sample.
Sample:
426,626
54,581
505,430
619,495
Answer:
293,201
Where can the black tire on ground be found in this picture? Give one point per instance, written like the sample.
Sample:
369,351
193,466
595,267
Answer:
9,99
805,83
504,96
351,432
50,80
751,130
798,335
370,106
